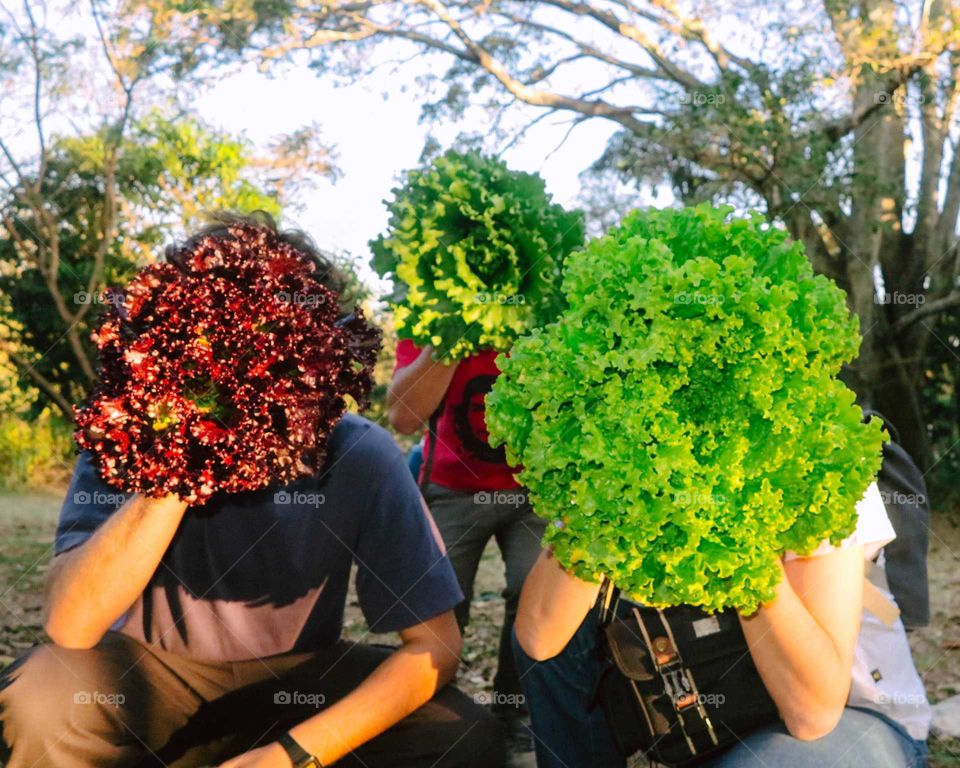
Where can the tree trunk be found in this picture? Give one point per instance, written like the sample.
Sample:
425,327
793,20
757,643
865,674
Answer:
884,376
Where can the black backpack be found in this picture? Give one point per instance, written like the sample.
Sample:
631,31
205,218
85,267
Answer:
905,498
679,684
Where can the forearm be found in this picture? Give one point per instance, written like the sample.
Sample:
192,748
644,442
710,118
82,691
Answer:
400,685
416,390
805,667
91,586
553,604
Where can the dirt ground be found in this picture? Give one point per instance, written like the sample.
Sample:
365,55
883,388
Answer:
27,523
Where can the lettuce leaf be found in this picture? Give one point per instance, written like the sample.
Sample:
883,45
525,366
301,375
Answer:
476,253
681,422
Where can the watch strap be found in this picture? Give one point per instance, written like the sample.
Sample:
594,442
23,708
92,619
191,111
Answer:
297,754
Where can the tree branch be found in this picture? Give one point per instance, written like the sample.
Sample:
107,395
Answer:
32,44
42,382
933,308
839,128
634,33
526,94
636,69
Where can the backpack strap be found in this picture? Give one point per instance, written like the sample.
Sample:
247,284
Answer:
607,599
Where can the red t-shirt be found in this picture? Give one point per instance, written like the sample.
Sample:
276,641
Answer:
463,458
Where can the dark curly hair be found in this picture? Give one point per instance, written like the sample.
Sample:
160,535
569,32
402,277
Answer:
218,224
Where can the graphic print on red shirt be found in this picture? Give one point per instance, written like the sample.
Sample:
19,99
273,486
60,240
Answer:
463,458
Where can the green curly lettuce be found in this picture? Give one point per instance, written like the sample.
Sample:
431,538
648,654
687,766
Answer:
681,423
475,251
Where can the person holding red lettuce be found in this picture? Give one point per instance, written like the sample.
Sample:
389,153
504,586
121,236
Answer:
223,494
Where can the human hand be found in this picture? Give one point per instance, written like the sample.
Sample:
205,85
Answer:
270,756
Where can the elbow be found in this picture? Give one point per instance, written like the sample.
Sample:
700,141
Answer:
447,660
403,420
67,635
813,724
451,662
448,670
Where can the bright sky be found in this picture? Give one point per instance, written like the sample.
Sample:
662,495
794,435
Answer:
373,125
376,138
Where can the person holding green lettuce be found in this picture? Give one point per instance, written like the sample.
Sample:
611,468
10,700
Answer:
475,251
816,662
682,428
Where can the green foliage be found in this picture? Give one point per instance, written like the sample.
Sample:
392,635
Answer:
184,168
476,252
168,174
681,423
34,452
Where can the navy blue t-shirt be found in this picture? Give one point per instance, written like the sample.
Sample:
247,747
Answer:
256,574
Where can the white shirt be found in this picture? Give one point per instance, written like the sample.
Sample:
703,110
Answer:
884,676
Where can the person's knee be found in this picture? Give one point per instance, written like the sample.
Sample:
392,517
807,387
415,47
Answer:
51,688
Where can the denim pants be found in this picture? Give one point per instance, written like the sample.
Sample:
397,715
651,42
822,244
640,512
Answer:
570,733
467,521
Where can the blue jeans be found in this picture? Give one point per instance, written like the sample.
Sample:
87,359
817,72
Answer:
570,733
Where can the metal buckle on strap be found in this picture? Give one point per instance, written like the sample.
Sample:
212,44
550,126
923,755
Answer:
678,682
675,681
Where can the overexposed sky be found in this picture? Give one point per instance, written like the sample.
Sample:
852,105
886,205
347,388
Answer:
374,127
373,124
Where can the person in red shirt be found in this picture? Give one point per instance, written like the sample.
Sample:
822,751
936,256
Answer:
470,489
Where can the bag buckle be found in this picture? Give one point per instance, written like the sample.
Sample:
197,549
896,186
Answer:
676,684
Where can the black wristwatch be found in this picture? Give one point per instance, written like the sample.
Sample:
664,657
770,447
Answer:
297,754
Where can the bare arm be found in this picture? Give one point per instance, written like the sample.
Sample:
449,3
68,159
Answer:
553,604
803,640
427,660
89,588
416,390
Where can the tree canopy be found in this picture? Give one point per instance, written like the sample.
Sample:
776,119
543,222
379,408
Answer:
99,166
838,118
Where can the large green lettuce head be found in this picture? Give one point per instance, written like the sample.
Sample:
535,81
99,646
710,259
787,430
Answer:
475,251
681,423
